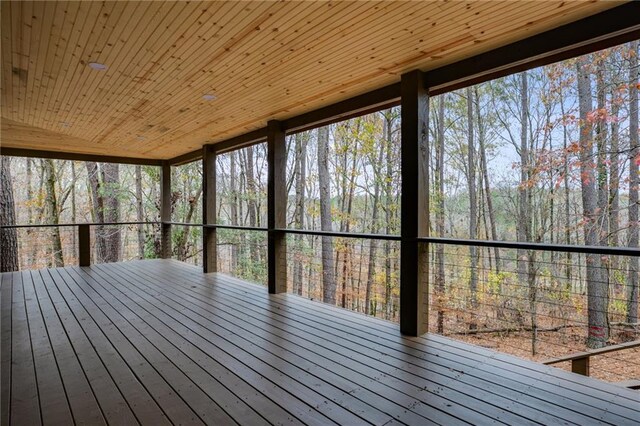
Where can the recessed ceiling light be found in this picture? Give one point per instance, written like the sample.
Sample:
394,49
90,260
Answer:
97,66
208,97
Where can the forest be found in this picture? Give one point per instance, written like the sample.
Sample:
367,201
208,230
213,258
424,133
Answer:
550,155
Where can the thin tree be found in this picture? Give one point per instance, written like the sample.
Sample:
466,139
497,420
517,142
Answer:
597,292
473,208
634,184
328,277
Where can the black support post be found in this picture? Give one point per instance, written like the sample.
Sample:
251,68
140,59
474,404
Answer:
414,266
165,210
84,245
209,236
277,207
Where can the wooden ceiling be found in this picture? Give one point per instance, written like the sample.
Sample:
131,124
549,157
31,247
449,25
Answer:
261,60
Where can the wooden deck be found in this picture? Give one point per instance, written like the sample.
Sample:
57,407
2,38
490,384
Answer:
158,342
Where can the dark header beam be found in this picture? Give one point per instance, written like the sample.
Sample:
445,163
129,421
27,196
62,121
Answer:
34,153
603,30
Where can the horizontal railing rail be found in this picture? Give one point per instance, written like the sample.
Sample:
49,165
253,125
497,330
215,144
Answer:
580,360
51,225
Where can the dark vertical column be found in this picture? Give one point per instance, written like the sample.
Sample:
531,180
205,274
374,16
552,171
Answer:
84,245
414,266
210,240
165,210
277,207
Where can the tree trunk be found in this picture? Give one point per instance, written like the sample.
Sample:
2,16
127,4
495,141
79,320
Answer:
234,206
328,277
473,212
139,211
8,236
111,204
52,212
373,244
252,205
439,183
300,181
597,294
634,185
523,228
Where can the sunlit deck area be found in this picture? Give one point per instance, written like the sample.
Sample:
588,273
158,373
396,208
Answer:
159,342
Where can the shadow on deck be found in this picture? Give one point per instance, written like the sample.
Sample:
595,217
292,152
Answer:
158,342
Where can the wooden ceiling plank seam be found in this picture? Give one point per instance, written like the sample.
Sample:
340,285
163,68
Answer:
48,81
172,135
57,71
104,13
160,83
127,61
7,58
167,111
25,48
382,24
43,140
102,82
278,23
76,71
70,58
258,101
96,54
35,41
126,97
342,64
79,25
40,82
271,117
130,58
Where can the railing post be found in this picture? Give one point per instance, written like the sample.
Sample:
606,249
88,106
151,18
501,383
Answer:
84,245
414,266
165,210
580,366
209,235
277,207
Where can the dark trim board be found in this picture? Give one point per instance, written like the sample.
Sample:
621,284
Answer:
159,342
58,155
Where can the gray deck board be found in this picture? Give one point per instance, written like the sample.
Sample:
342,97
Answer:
158,342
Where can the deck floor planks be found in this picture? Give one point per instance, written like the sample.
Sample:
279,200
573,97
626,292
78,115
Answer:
5,348
211,339
98,357
425,391
294,367
25,401
630,412
407,408
174,407
399,370
145,340
53,397
163,338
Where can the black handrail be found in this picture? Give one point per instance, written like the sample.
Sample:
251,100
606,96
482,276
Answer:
50,225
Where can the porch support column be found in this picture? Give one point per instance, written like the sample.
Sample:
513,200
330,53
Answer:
165,210
414,266
277,207
209,235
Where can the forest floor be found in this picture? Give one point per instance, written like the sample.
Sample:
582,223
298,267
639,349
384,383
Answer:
611,367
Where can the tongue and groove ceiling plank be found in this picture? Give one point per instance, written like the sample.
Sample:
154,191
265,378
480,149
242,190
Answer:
261,61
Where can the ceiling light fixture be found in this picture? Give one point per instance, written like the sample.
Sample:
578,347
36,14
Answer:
97,66
208,97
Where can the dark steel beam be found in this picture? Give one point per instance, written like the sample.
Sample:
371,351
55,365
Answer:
35,153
